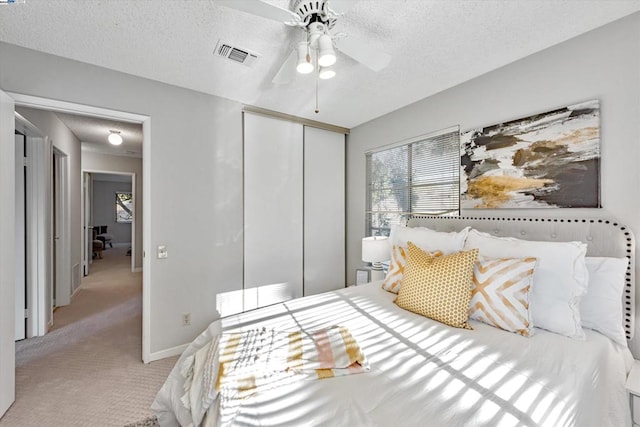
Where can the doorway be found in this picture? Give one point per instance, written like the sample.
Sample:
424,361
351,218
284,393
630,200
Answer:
33,231
109,198
57,165
42,230
8,101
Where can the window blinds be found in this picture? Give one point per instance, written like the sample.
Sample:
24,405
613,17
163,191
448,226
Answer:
418,178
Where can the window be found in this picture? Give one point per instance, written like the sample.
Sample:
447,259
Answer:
124,207
421,177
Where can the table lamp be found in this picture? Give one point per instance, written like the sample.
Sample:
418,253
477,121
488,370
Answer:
375,249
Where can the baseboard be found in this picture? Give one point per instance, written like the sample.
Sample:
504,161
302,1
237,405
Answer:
170,352
73,294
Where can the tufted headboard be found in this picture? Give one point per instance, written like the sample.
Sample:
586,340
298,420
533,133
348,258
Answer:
603,238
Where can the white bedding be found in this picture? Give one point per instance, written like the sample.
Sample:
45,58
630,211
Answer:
423,373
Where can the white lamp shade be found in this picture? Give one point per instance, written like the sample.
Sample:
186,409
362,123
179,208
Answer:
327,56
304,66
326,73
375,249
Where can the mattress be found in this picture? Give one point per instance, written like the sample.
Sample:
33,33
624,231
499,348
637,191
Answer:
423,373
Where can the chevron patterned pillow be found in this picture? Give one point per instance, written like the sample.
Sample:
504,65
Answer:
396,268
500,293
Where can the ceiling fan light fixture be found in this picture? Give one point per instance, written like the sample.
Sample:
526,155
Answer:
326,73
114,137
304,67
304,64
327,56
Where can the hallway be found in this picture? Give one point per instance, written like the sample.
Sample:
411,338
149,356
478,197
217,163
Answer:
87,371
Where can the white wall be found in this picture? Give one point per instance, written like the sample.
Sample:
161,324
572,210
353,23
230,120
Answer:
195,188
64,140
104,209
96,162
602,64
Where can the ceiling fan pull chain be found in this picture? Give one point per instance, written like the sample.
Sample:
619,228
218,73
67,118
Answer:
317,108
317,80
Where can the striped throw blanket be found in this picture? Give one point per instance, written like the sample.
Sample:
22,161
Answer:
258,359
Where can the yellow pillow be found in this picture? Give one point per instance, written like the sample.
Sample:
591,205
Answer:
396,268
438,287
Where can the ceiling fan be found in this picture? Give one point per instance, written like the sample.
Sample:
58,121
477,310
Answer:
317,18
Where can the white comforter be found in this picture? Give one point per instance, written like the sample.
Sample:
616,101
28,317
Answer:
423,373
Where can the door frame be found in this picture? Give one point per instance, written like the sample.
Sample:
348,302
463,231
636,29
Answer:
86,218
90,172
20,243
62,244
39,228
86,110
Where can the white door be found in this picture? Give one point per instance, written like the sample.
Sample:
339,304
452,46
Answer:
7,253
324,211
62,257
40,235
88,228
21,276
272,210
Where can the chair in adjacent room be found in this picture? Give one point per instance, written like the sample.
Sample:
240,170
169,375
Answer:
103,236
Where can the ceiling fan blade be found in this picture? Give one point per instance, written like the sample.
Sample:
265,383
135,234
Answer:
363,53
260,8
287,71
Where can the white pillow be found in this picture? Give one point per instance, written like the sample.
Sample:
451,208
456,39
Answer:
601,306
428,240
559,282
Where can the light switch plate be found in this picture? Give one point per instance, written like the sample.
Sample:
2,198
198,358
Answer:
162,252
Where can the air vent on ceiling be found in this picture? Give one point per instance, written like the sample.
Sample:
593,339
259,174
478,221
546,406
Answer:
243,56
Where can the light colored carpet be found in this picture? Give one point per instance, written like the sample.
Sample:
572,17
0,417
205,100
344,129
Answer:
147,422
88,371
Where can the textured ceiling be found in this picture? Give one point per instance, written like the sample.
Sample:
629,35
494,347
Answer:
93,132
435,44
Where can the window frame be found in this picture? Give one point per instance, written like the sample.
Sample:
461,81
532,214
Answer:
118,220
369,229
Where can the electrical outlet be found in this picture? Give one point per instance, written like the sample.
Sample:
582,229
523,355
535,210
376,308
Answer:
186,319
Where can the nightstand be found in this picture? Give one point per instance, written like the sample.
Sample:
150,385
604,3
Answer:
363,275
633,388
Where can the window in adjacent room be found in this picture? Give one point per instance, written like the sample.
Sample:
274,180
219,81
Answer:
419,177
124,207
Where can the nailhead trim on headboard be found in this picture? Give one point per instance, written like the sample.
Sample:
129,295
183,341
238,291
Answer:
624,233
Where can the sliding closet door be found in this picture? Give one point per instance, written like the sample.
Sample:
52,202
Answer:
273,223
324,211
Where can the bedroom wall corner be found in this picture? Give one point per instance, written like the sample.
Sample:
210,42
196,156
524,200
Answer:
602,64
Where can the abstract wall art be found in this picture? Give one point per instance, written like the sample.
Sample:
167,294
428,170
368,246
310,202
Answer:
548,160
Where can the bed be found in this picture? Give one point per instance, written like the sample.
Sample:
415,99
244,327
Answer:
422,372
